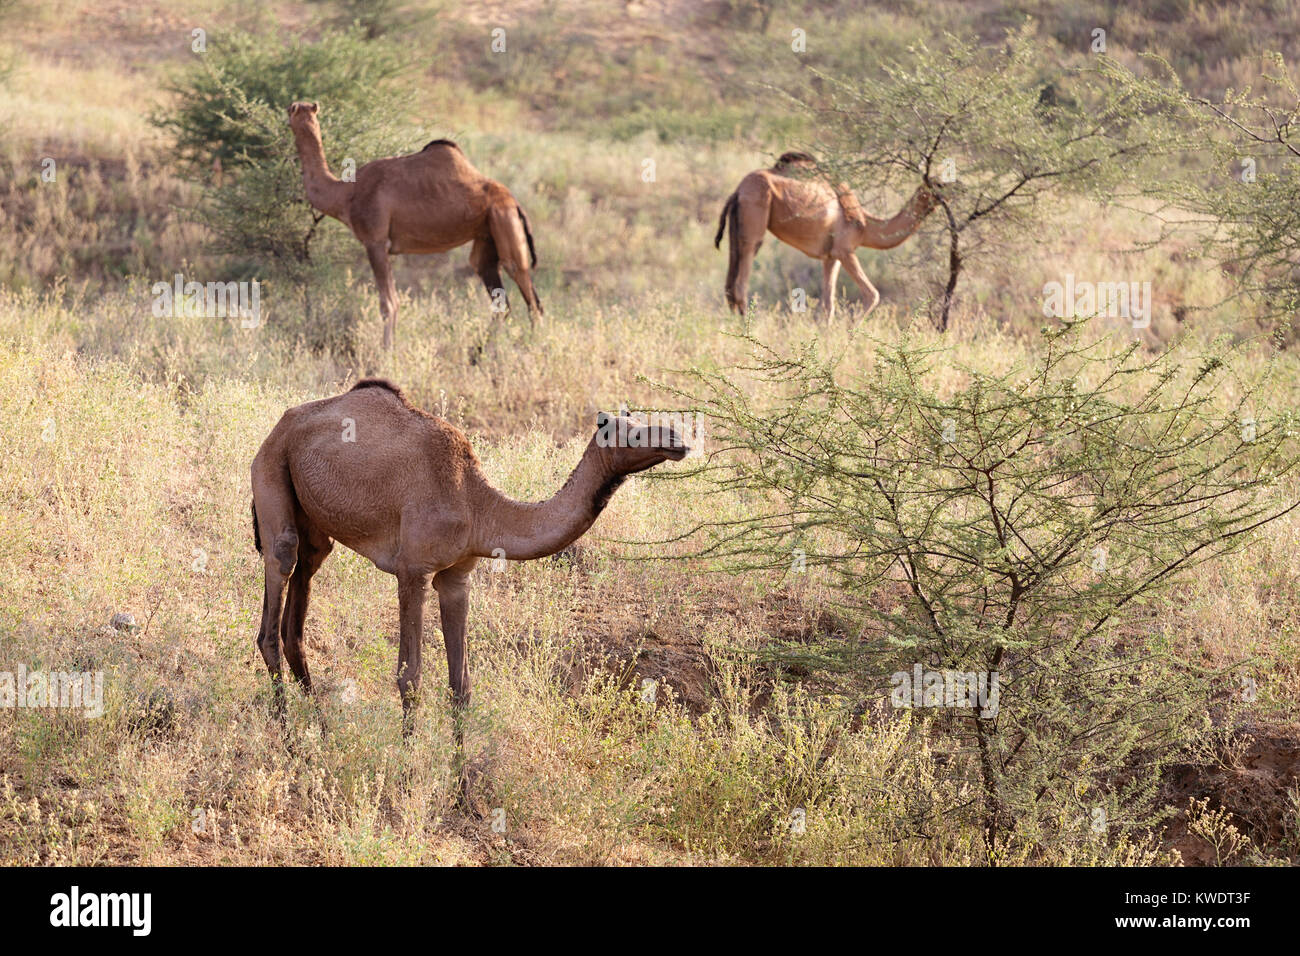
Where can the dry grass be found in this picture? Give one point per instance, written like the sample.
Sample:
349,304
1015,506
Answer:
138,502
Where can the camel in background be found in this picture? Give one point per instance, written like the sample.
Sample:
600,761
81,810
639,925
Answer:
822,222
409,494
430,201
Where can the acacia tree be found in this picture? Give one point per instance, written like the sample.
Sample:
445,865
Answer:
1005,524
1239,189
996,129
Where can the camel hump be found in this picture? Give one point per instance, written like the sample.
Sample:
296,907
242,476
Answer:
387,386
379,383
439,142
795,158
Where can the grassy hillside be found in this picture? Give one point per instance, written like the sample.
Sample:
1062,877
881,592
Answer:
125,442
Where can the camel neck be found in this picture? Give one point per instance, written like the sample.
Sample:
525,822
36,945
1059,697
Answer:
325,191
523,530
887,233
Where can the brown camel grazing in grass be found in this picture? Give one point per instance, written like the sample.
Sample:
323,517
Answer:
430,201
404,489
821,222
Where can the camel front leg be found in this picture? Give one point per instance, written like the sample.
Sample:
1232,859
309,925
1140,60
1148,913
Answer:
378,254
830,274
869,293
412,587
453,606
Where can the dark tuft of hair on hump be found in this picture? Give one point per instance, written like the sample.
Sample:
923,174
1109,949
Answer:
387,386
439,142
796,158
378,383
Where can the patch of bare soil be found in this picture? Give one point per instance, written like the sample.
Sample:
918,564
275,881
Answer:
1254,780
631,639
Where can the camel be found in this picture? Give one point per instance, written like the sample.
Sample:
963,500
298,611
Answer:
821,222
430,201
405,489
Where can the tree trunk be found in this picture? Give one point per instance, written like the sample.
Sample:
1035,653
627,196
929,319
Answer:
993,814
954,269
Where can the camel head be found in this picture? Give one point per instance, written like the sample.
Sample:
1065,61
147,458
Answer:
303,116
626,446
927,195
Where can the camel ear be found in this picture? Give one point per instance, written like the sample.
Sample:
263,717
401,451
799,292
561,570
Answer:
315,107
606,429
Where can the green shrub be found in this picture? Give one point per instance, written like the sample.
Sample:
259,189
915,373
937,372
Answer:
230,115
1007,526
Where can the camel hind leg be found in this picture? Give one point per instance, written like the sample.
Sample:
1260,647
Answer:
738,288
505,221
273,516
313,548
412,589
749,217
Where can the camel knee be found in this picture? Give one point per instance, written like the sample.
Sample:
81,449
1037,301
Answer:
408,683
269,644
408,688
388,313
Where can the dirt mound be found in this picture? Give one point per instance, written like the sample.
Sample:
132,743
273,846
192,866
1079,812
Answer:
1254,780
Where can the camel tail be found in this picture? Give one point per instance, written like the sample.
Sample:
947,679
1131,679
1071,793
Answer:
532,250
733,266
727,208
257,533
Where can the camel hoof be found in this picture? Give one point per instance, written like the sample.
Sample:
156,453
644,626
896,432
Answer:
463,802
472,782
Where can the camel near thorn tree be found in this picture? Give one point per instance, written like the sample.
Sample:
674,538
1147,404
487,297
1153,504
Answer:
427,202
820,221
404,488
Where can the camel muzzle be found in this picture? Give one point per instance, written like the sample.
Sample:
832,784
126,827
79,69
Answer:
677,452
